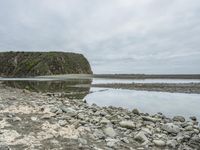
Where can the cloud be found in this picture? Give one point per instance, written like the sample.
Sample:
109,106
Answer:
117,36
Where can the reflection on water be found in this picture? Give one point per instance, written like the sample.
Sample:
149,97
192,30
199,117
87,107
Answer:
170,104
69,88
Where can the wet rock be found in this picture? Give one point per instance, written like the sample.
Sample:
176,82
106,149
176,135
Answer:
109,131
136,111
179,118
171,128
159,143
127,124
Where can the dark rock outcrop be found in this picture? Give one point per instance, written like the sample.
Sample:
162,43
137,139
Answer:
23,64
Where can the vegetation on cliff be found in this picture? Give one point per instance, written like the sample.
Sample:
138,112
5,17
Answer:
22,64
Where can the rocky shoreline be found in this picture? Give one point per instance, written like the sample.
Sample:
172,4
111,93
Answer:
30,120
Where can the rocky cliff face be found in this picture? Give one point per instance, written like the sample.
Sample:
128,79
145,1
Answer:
23,64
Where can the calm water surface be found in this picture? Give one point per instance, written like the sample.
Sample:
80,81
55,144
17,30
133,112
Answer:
170,104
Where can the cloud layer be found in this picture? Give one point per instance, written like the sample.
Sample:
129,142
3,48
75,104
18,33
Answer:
117,36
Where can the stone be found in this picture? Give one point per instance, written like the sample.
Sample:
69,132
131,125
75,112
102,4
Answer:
193,118
62,122
148,118
105,121
179,118
82,141
159,143
70,111
171,128
127,124
195,142
34,118
112,143
53,110
15,119
125,140
4,146
136,111
99,134
172,143
141,137
109,131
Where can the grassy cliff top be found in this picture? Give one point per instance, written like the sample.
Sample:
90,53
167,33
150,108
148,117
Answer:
23,64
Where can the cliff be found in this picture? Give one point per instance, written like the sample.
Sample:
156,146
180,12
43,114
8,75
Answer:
23,64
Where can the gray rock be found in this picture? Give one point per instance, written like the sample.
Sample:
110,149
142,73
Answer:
15,119
141,137
125,140
70,111
127,124
62,122
195,142
105,121
109,131
179,118
148,118
82,141
193,118
171,128
159,142
4,146
136,111
172,143
112,143
99,134
53,110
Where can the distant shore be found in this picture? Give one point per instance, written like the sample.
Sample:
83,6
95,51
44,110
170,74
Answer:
161,87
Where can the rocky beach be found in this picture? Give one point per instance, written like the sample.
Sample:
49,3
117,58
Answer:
32,120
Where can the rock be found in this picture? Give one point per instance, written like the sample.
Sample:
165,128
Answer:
109,131
159,142
188,128
193,118
70,111
82,141
148,118
125,140
171,128
62,122
47,116
195,142
111,143
179,118
105,121
172,143
99,134
34,118
53,110
4,146
127,124
141,137
135,111
15,119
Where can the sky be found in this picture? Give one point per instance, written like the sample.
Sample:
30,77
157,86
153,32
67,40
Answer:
116,36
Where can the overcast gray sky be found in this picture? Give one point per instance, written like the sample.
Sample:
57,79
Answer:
117,36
